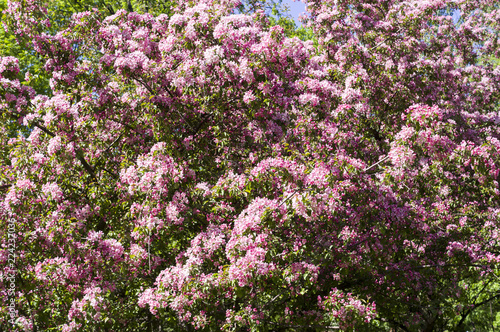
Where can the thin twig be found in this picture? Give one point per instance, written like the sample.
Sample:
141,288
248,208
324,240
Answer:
376,163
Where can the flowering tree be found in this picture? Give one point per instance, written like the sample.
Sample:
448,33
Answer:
201,170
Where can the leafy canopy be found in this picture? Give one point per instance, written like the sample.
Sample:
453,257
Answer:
197,165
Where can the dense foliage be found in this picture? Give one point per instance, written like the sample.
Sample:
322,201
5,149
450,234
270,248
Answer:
200,169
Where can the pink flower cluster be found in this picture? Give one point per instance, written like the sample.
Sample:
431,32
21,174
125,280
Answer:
346,309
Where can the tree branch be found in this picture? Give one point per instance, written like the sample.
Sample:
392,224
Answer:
465,314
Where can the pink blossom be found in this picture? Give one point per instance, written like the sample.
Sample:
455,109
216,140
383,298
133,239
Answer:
54,145
401,155
248,97
52,190
213,55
